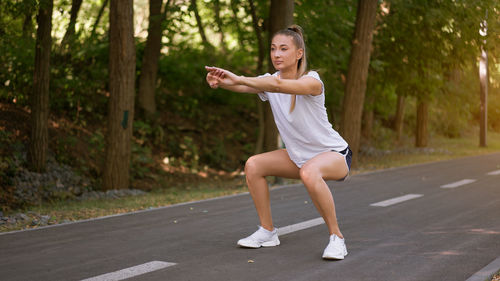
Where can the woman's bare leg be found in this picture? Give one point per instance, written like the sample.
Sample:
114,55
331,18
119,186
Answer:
325,166
257,167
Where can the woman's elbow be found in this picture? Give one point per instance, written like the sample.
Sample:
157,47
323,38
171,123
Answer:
276,85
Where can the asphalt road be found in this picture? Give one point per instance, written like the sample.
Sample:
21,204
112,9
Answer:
440,234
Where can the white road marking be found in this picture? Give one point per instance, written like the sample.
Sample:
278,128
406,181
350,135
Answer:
300,226
458,183
487,272
396,200
131,271
494,173
317,221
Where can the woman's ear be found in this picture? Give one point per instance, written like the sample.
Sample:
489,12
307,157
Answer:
300,53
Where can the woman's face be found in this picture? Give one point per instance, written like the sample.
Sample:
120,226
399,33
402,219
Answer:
284,53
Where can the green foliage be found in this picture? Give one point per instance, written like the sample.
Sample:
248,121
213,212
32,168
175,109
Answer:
7,167
97,145
10,155
190,155
140,162
148,134
494,111
61,146
17,50
79,86
421,47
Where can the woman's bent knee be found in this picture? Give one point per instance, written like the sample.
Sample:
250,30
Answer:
310,176
252,168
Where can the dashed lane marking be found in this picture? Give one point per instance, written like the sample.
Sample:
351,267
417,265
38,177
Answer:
396,200
458,183
318,221
131,271
494,173
300,226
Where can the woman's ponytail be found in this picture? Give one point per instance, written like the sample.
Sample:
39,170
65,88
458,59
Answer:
299,42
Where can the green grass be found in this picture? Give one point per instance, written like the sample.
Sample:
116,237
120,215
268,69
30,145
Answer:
67,211
439,149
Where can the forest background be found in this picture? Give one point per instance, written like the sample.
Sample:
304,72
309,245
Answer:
422,83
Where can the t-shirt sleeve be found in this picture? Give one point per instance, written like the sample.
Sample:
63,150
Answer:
263,96
315,75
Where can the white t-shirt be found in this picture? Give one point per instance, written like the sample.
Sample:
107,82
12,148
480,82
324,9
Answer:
305,131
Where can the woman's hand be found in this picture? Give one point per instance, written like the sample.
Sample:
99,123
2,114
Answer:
212,80
221,76
218,77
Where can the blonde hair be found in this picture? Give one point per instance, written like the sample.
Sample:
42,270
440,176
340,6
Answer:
297,35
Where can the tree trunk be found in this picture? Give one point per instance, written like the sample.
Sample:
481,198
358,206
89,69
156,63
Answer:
70,31
121,88
357,74
38,145
280,17
219,23
234,8
200,24
98,19
149,70
399,118
422,120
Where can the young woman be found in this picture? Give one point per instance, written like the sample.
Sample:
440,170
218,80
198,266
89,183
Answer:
314,152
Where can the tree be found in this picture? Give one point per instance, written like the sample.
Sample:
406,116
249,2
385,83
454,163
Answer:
121,88
38,145
357,74
422,134
149,70
201,29
280,17
70,31
234,4
399,117
98,19
220,24
422,41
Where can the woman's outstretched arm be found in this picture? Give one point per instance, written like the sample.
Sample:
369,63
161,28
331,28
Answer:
303,86
213,81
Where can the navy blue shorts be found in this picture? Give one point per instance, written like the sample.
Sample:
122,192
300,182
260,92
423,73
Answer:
347,153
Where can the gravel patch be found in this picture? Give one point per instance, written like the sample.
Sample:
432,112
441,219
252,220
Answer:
59,182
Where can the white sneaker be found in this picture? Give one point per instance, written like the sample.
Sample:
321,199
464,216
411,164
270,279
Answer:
260,238
336,249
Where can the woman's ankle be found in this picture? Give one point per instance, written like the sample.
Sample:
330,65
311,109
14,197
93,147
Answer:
337,233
